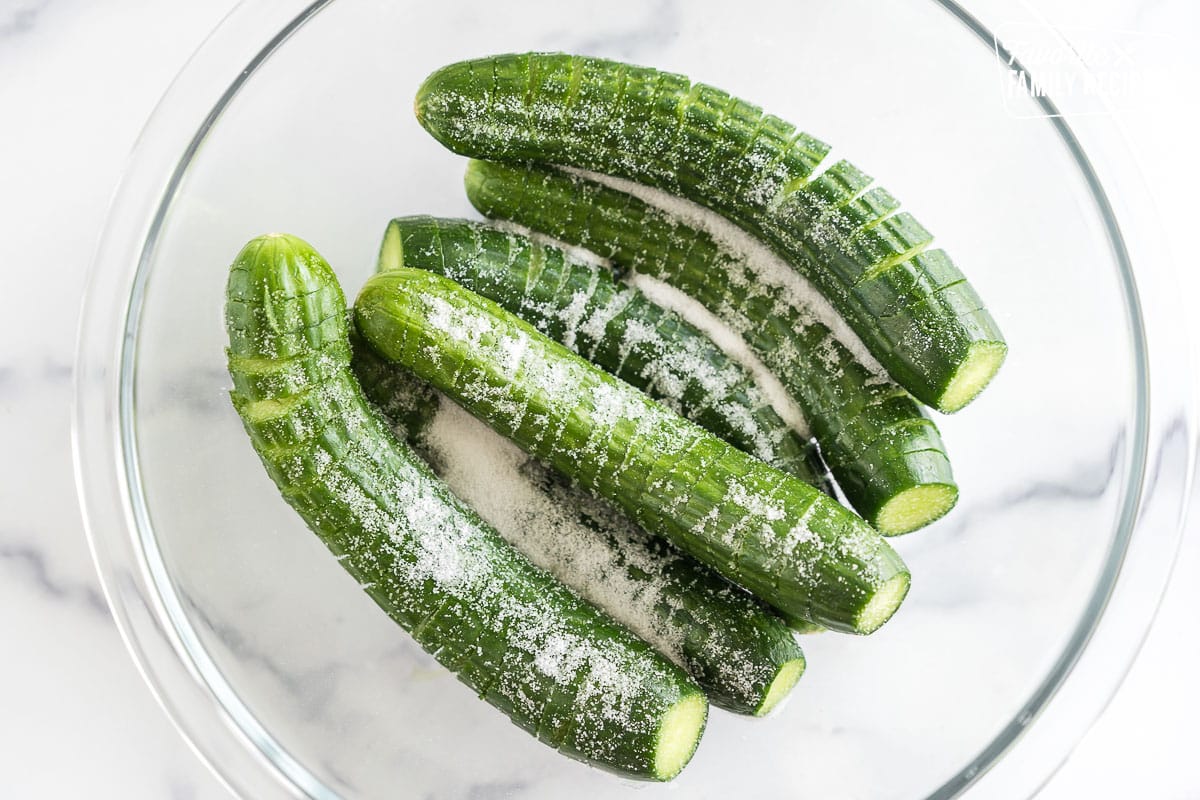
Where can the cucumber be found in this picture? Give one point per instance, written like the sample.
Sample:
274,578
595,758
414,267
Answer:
743,656
696,141
783,540
804,627
885,453
407,404
617,327
555,665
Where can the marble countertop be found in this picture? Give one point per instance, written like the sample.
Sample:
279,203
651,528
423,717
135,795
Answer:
77,81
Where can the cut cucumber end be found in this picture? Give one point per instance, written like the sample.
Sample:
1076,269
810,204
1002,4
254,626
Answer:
779,689
915,508
678,736
883,604
391,252
976,371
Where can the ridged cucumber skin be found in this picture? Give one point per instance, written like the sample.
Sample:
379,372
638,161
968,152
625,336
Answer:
728,641
696,141
617,327
783,540
465,595
876,439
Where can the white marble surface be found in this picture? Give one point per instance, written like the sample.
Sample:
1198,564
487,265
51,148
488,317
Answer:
77,80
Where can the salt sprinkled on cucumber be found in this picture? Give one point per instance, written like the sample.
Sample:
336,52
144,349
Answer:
555,665
816,560
743,655
617,327
657,128
886,454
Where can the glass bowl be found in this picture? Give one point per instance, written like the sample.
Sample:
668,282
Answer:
1028,602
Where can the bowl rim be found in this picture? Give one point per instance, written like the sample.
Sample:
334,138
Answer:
245,757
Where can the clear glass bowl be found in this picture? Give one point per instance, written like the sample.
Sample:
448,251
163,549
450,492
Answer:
1073,465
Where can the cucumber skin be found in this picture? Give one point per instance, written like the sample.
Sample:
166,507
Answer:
784,541
732,645
544,286
876,439
407,404
467,597
696,141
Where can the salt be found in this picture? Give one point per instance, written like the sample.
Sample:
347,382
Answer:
730,342
762,263
580,539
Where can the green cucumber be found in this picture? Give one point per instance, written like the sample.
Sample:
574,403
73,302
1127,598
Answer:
783,540
555,665
690,139
885,453
407,404
743,656
617,327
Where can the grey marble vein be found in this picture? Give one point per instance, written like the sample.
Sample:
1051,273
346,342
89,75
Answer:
1175,435
632,38
21,19
1099,475
31,563
494,791
22,380
313,689
233,638
57,372
178,789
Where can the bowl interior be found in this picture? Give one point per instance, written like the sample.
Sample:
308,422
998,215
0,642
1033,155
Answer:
321,142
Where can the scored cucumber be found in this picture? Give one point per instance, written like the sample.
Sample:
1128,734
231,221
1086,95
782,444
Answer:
582,306
696,141
555,665
885,453
745,657
785,541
